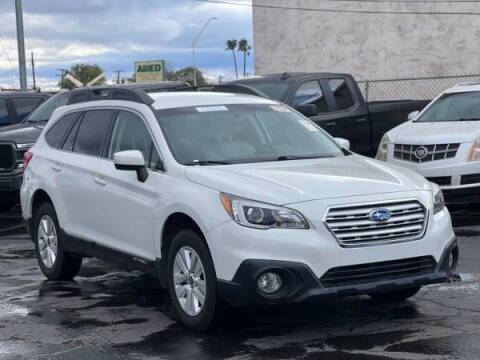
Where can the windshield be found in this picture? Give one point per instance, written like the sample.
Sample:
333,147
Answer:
274,89
241,133
45,110
454,107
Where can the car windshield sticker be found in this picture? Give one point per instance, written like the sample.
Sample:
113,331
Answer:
280,108
308,125
211,108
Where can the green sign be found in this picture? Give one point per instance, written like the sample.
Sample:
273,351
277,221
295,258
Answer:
149,71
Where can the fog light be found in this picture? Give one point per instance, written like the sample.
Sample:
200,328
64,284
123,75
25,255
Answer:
269,282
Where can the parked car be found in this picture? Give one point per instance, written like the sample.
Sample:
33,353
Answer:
442,143
227,196
16,139
333,101
15,106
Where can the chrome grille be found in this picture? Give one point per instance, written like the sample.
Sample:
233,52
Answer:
432,152
352,225
7,160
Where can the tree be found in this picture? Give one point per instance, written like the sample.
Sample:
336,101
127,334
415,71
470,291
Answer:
186,75
245,48
231,46
84,73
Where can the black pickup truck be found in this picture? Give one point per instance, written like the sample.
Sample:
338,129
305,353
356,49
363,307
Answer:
333,101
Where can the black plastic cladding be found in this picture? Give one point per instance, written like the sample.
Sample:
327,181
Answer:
109,93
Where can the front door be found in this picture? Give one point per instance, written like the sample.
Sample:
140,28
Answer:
125,206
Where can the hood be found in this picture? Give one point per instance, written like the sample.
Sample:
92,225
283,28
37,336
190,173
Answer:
303,180
22,133
429,133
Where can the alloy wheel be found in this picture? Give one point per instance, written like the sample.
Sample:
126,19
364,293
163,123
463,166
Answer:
47,241
189,281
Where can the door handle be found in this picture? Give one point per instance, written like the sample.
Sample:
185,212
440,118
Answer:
361,120
99,181
331,123
56,168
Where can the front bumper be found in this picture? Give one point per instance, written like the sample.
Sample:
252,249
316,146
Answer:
11,181
300,283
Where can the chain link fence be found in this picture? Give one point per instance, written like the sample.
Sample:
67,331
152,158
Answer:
424,88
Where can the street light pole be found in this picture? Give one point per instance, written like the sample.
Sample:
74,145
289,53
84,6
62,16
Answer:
21,46
194,44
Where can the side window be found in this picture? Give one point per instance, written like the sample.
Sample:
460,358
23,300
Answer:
58,131
341,92
4,120
70,140
24,106
92,132
131,133
310,93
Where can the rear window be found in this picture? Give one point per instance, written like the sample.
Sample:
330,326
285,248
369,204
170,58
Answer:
341,92
92,132
24,106
3,113
58,131
274,89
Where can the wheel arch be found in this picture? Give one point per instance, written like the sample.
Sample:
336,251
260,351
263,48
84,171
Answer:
174,223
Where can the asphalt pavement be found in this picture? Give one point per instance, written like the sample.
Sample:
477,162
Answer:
108,313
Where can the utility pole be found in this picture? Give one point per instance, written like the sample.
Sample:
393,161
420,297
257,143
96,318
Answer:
21,46
62,74
33,73
118,75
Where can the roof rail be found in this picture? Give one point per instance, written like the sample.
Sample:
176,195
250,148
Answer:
109,93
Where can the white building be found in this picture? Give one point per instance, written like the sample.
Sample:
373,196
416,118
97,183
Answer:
353,38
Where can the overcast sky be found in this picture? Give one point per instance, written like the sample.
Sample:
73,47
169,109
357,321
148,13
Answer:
115,33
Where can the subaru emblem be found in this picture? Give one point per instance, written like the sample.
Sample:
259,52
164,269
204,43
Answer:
379,215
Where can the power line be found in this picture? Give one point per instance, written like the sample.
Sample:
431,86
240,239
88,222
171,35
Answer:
340,10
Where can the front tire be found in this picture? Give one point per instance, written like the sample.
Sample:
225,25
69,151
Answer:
55,263
395,296
192,281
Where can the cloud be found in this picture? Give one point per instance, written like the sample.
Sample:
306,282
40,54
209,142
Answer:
115,33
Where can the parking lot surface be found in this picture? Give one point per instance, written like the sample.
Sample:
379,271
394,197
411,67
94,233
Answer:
108,313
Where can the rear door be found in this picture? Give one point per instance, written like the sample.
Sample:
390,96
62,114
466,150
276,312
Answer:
75,166
348,116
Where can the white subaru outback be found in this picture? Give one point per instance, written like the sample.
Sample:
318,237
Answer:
230,198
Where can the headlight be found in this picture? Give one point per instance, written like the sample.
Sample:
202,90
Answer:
382,151
438,201
260,215
474,153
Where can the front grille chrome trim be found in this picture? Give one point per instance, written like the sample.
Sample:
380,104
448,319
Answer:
406,152
351,226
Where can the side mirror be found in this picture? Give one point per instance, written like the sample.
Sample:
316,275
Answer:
131,160
413,115
343,143
308,109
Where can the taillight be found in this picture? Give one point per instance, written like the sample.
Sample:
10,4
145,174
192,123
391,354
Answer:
26,159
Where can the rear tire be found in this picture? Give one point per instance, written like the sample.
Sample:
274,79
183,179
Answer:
55,263
192,282
395,296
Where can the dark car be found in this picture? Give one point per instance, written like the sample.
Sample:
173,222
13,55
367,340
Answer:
333,101
16,140
15,106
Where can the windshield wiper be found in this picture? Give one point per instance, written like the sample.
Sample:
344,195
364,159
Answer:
294,157
468,119
206,162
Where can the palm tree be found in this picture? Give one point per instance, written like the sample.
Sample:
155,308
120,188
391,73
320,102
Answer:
231,46
245,48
